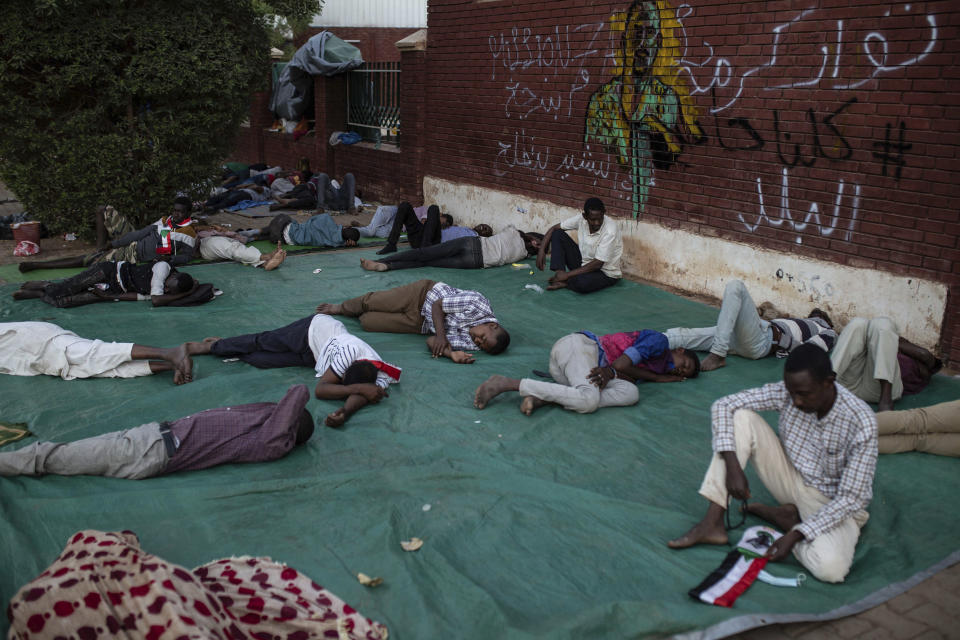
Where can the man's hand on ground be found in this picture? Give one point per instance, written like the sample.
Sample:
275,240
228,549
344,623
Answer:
337,418
439,345
371,393
462,357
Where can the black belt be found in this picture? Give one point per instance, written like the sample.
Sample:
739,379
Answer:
169,441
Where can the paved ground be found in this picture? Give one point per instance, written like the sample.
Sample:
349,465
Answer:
929,611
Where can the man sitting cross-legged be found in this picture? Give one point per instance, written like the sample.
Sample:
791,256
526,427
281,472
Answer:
155,281
469,252
348,368
318,231
459,319
820,468
741,331
877,365
41,348
256,432
597,371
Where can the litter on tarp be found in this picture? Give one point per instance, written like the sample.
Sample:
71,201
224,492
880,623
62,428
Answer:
412,544
367,581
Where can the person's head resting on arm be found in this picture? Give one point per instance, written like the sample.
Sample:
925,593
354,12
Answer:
360,372
809,378
686,364
350,236
490,337
179,283
446,220
532,241
593,212
304,428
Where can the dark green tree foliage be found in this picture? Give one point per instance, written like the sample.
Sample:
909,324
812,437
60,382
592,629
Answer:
125,102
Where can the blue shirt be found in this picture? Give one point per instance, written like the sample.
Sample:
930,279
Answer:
452,233
318,231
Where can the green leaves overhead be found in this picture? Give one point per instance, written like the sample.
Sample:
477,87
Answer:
125,102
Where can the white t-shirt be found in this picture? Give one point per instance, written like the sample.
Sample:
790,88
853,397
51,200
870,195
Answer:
502,248
605,245
336,349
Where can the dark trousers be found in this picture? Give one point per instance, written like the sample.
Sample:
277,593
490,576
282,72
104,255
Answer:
284,347
419,234
303,197
565,256
461,253
335,198
226,199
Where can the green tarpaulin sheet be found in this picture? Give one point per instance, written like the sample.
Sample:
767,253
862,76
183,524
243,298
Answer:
550,525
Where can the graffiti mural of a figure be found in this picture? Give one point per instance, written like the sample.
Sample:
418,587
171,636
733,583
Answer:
644,114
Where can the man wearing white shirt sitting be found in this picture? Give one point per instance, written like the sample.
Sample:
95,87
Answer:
593,262
348,367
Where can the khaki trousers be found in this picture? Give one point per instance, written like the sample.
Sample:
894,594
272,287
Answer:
222,247
865,354
394,310
828,556
134,454
571,359
934,429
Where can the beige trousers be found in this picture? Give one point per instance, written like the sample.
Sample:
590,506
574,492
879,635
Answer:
828,556
865,354
571,359
934,429
224,248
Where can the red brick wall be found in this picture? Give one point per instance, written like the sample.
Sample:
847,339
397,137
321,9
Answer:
831,132
389,174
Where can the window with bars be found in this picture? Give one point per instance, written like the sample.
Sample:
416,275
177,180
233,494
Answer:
373,101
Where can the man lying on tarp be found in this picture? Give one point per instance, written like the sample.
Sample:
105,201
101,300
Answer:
820,469
597,371
318,231
349,369
256,432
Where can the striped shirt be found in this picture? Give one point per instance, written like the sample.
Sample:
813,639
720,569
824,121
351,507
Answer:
336,349
463,309
837,455
797,331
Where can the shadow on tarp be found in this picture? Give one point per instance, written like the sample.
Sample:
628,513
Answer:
551,525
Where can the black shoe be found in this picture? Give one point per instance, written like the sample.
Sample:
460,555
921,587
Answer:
390,248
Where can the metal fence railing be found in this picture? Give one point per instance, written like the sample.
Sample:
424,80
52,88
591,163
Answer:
373,101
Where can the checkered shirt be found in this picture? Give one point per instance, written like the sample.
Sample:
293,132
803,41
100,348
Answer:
836,455
463,309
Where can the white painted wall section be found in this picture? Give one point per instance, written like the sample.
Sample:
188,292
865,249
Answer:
372,13
703,265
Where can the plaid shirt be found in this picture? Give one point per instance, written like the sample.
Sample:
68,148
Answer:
836,455
463,309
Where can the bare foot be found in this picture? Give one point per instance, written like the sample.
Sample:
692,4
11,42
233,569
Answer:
182,365
712,361
200,348
703,532
275,260
529,404
785,517
330,309
372,265
26,294
494,386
